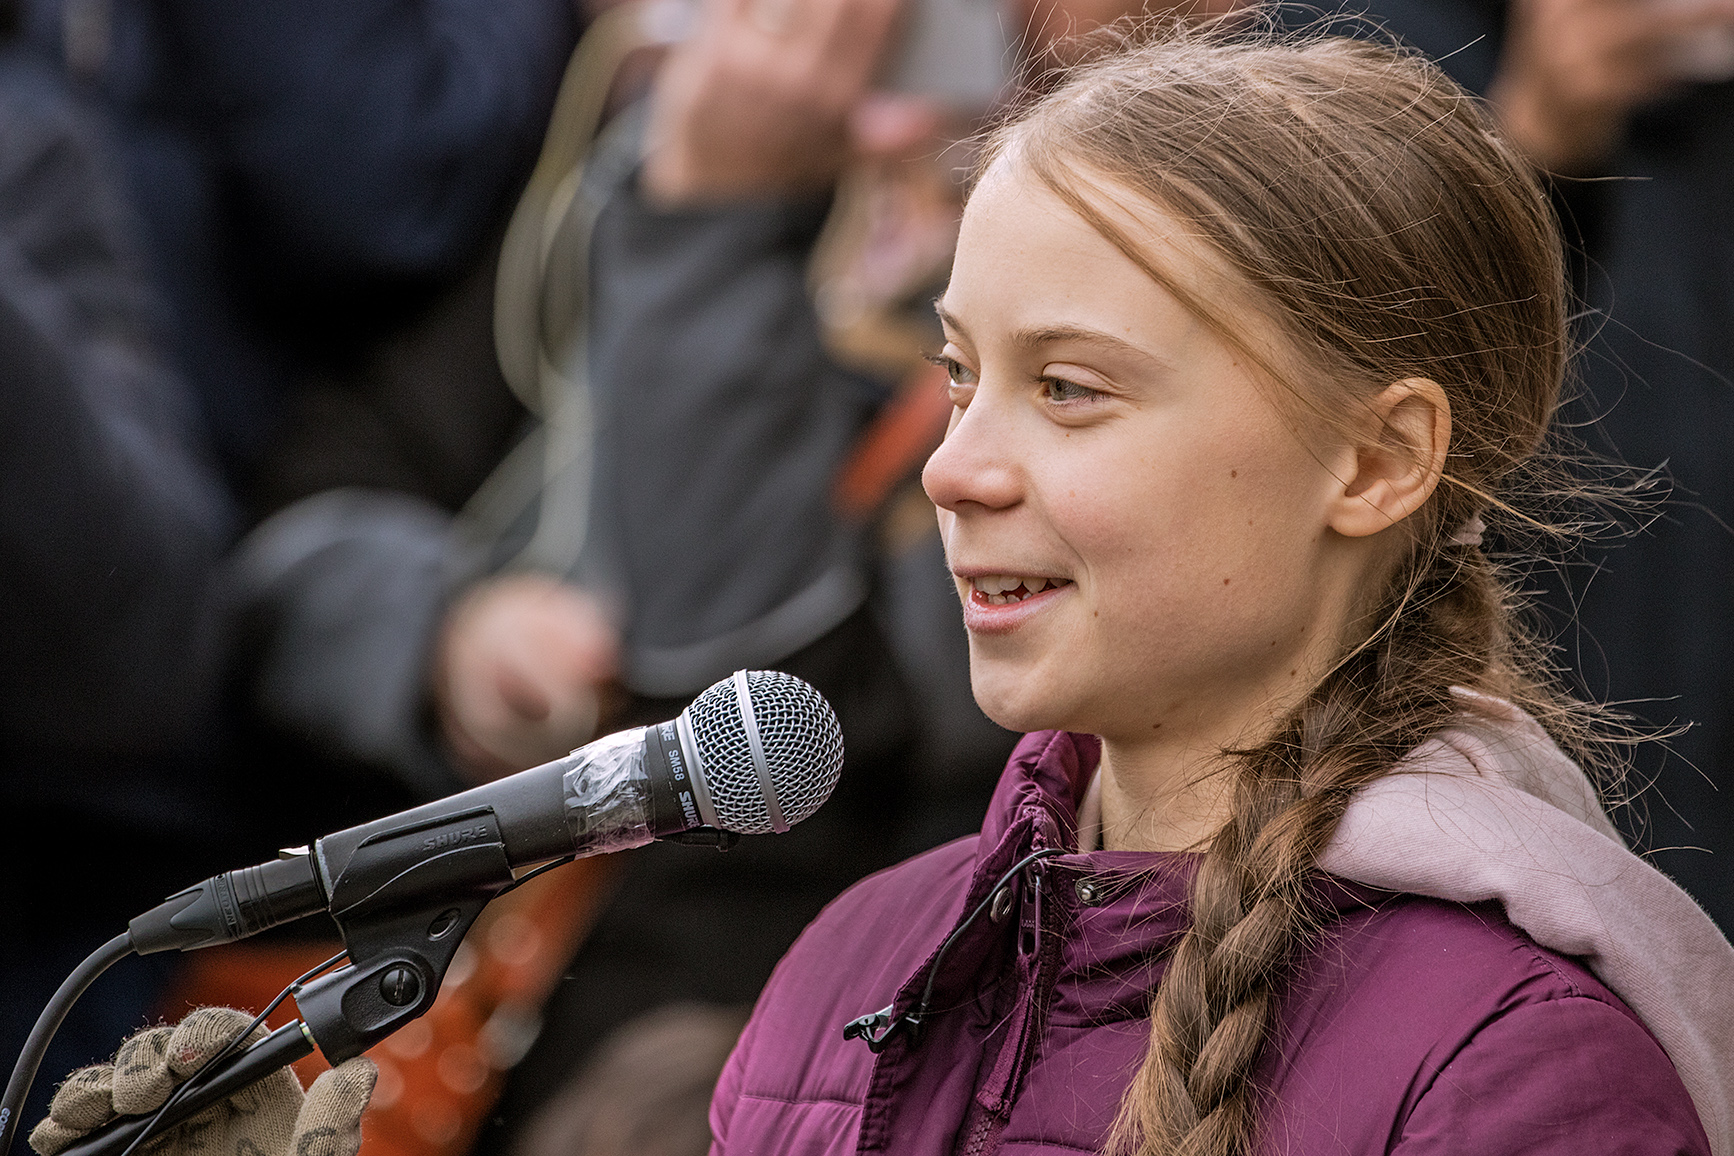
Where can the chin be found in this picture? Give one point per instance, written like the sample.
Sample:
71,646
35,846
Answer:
1017,700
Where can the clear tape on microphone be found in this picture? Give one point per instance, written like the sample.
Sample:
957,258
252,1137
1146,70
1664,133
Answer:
607,794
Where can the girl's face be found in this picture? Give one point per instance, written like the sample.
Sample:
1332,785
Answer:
1140,539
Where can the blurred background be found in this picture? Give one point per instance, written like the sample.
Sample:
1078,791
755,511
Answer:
397,394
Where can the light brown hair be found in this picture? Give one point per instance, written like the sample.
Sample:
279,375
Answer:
1371,207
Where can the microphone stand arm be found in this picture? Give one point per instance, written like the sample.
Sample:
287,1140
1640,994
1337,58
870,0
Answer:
404,899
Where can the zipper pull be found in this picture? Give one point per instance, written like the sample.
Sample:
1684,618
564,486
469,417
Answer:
1030,917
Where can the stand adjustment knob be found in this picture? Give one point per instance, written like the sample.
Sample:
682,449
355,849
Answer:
400,986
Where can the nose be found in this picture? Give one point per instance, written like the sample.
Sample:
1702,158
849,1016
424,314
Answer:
975,467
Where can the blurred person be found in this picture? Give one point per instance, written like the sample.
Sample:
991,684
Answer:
112,527
312,179
306,192
1628,103
320,190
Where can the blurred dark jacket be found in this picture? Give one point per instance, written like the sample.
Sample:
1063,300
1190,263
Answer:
112,523
311,175
320,188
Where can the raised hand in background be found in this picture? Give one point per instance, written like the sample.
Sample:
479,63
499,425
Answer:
524,661
773,98
1573,70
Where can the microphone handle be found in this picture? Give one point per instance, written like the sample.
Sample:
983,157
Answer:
618,792
279,1049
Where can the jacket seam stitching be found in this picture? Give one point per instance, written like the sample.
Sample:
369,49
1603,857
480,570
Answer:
797,1101
1047,1143
1573,991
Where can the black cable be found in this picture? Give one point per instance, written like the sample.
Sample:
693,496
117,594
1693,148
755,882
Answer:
920,1012
210,1065
36,1046
877,1028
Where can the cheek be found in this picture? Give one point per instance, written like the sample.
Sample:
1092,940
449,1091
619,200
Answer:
1225,535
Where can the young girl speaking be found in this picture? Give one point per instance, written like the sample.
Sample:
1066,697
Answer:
1246,339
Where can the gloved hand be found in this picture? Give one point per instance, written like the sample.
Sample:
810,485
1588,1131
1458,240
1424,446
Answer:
270,1118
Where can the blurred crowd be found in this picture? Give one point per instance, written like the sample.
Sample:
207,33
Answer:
332,484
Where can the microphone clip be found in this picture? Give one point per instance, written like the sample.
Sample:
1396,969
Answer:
404,899
877,1028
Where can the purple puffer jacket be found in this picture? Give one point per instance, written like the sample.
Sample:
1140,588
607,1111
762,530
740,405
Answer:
1411,1025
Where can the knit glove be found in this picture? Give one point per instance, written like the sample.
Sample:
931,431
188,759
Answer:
270,1118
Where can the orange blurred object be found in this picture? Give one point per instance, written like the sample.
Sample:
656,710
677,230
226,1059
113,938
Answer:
907,430
440,1075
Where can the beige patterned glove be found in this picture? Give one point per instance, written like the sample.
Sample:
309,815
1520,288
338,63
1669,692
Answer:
270,1118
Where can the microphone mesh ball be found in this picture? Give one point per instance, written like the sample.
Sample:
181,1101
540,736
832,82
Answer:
802,742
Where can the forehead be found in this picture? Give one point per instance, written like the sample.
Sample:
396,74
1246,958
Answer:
1027,251
1028,266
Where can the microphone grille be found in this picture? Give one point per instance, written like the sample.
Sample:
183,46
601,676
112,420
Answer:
802,744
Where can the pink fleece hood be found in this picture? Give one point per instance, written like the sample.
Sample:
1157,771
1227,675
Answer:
1492,809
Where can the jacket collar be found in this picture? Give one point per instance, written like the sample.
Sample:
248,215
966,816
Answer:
1035,807
1041,788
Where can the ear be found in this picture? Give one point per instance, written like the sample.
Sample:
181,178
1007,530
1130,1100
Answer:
1399,460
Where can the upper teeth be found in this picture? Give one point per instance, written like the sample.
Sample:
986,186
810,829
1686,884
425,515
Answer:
1000,583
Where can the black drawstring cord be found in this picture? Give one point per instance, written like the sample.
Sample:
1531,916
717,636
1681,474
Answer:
877,1028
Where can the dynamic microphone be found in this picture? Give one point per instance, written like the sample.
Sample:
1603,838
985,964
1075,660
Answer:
755,753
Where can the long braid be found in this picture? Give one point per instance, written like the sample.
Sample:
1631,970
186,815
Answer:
1252,900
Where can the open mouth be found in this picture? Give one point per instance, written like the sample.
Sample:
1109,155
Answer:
1004,589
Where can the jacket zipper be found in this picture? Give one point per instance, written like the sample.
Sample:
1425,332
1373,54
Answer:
1036,950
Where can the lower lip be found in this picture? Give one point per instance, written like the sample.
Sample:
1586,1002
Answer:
983,617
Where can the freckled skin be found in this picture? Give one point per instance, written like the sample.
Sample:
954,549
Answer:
1100,462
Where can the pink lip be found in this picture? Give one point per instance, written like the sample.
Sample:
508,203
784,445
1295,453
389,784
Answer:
982,617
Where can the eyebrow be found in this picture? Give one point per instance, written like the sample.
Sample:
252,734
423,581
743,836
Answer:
1033,338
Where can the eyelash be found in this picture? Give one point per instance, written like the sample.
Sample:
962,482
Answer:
953,368
956,371
1084,395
